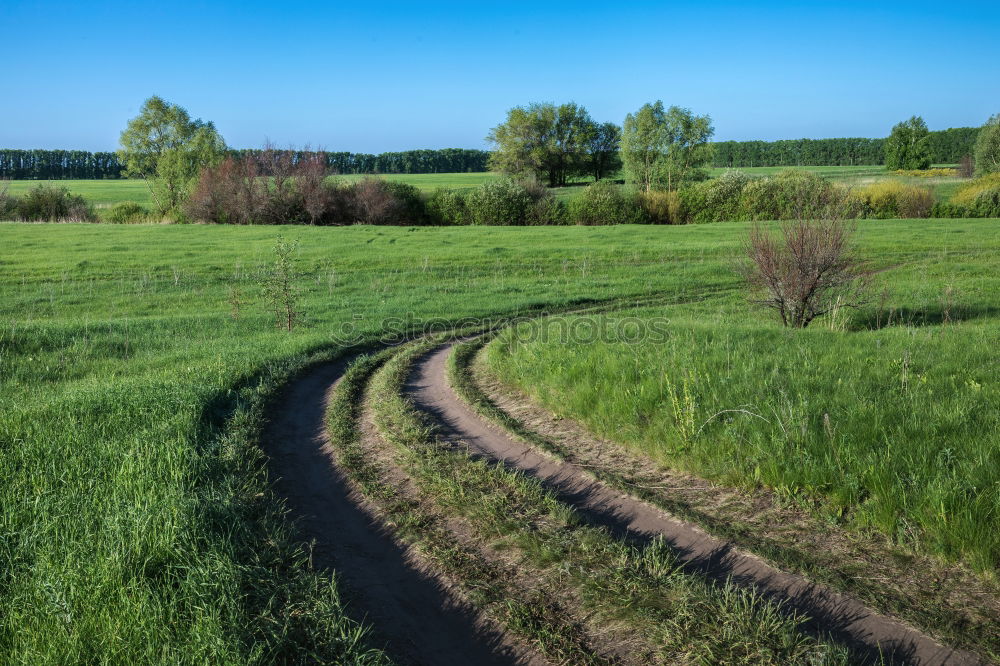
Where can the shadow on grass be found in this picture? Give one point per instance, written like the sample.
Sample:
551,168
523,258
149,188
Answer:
936,315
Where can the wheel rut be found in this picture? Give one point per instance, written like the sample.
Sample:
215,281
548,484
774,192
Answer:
413,612
846,620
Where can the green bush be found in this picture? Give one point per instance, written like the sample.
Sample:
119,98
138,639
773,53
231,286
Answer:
981,197
127,212
787,195
950,210
504,201
51,204
791,194
447,207
605,202
7,203
890,199
715,200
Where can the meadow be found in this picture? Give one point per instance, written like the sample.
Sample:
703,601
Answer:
137,524
884,415
133,527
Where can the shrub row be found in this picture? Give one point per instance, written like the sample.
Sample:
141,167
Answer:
798,194
244,192
45,204
980,198
270,188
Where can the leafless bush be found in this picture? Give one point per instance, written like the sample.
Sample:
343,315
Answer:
806,270
378,201
319,200
268,187
966,167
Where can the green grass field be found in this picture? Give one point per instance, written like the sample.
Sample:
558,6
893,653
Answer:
133,529
886,416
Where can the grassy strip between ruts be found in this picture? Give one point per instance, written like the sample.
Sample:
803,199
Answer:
677,617
485,585
956,629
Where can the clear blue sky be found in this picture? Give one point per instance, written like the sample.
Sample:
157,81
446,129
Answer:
377,76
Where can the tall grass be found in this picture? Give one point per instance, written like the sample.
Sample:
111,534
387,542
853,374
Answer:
886,417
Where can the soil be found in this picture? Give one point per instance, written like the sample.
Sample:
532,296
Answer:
838,616
417,617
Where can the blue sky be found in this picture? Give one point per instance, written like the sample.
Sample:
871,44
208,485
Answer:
371,77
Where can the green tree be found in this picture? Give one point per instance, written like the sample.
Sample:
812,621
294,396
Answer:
546,141
164,146
603,149
664,147
908,145
987,153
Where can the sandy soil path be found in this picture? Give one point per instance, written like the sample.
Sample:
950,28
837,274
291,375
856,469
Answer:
841,617
413,612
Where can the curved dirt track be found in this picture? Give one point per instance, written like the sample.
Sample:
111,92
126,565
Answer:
416,618
840,617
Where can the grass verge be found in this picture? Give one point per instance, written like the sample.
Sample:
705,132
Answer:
955,608
640,592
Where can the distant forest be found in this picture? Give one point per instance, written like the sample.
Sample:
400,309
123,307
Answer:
947,147
80,164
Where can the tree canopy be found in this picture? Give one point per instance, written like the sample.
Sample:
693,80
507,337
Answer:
987,153
552,143
908,145
662,148
165,146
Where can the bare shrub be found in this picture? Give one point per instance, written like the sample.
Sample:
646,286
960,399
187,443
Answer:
268,187
806,270
373,202
378,201
966,167
319,199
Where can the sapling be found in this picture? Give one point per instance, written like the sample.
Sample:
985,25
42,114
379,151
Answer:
280,287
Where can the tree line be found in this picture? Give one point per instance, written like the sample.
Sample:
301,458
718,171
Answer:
58,164
599,158
945,147
83,165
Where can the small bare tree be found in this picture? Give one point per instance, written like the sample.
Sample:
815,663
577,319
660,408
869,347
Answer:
966,167
806,270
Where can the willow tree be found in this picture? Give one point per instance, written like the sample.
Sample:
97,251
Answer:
662,148
908,145
988,147
543,140
166,147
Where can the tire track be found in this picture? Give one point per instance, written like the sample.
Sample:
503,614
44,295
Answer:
411,609
870,634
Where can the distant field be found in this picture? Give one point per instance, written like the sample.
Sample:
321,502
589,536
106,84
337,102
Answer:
106,193
429,182
103,193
